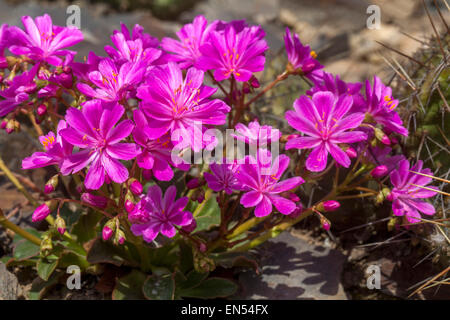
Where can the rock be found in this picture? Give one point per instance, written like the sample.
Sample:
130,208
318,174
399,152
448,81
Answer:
9,286
357,254
298,270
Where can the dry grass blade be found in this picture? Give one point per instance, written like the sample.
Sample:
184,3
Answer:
431,189
440,14
438,38
430,176
440,274
402,54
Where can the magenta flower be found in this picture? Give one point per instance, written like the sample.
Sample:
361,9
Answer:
261,180
57,149
161,214
156,153
192,36
382,156
222,177
407,191
380,105
325,120
18,91
138,34
255,134
113,84
301,58
42,41
230,52
92,129
339,87
172,104
3,45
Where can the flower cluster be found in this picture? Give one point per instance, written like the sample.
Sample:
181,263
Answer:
121,123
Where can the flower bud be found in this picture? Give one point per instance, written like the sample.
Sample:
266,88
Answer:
42,211
326,224
41,110
46,245
190,227
199,195
135,187
107,233
194,183
380,135
93,200
51,184
293,197
379,172
3,124
254,82
10,126
379,198
331,205
351,152
129,205
60,225
120,237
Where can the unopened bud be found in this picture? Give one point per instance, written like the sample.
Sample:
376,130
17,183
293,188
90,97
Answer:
60,225
41,110
380,135
10,126
331,205
46,245
93,200
107,233
120,237
254,82
194,183
351,152
379,172
199,195
293,197
51,184
380,197
135,186
190,227
43,211
129,205
326,224
3,124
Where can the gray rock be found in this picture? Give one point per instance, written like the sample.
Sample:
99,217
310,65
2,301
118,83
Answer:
9,286
294,269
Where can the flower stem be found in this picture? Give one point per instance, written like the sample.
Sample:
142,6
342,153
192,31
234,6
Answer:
18,230
16,182
280,77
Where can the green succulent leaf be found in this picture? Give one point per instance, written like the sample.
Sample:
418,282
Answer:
46,266
129,286
159,288
210,289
